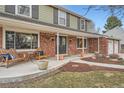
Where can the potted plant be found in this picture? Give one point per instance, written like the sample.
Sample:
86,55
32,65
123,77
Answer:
42,64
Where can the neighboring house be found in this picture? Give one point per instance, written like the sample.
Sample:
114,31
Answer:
117,32
53,28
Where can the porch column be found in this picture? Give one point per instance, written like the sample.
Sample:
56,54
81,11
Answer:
98,45
57,40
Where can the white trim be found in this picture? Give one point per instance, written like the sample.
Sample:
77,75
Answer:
19,30
59,11
57,46
16,11
84,24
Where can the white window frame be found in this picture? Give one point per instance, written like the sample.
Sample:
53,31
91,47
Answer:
21,31
80,24
82,43
77,42
16,12
59,13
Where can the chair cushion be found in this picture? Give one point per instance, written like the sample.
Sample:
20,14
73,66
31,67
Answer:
12,56
40,53
6,56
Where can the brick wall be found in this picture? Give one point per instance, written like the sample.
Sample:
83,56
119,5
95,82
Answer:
103,45
1,32
92,44
72,48
47,43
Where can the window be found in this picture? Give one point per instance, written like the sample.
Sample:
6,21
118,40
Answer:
24,10
85,43
62,18
79,43
82,24
21,40
10,39
122,46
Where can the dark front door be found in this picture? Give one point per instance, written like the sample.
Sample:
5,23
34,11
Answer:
62,44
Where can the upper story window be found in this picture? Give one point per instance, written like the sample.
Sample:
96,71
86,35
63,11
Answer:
24,10
62,18
82,24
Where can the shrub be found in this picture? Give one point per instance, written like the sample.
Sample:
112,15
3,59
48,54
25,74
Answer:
114,56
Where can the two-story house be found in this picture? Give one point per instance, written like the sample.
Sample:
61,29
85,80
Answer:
53,28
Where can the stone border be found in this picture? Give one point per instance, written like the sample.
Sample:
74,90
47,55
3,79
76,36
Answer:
30,76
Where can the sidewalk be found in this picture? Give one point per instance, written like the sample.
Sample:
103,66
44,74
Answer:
100,64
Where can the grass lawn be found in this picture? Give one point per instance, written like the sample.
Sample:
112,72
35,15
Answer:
75,79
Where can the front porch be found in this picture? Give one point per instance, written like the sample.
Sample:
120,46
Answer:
29,69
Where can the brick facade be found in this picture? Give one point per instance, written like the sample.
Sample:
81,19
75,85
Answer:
47,43
1,32
103,45
92,44
72,48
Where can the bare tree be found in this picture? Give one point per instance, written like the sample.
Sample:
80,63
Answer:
112,10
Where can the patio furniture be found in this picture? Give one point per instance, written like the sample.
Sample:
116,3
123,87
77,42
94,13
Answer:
11,56
39,54
42,64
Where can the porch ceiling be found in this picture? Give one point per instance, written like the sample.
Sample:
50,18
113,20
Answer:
7,22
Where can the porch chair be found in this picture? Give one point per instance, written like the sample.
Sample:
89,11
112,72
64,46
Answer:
15,57
39,54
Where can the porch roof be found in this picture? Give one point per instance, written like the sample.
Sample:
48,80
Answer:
11,20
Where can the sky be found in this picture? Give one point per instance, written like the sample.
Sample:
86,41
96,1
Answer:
98,17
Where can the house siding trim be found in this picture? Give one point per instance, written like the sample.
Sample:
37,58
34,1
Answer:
16,17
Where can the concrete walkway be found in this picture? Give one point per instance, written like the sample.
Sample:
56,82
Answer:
30,70
100,64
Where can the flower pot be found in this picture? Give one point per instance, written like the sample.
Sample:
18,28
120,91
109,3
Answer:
42,64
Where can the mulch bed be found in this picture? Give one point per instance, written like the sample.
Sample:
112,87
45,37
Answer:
105,60
81,67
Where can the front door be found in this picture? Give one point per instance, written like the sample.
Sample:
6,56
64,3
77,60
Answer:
62,44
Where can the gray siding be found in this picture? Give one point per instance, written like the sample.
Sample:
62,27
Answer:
35,11
10,9
2,8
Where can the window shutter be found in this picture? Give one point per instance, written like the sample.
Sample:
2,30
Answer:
67,19
78,23
10,9
35,11
55,16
